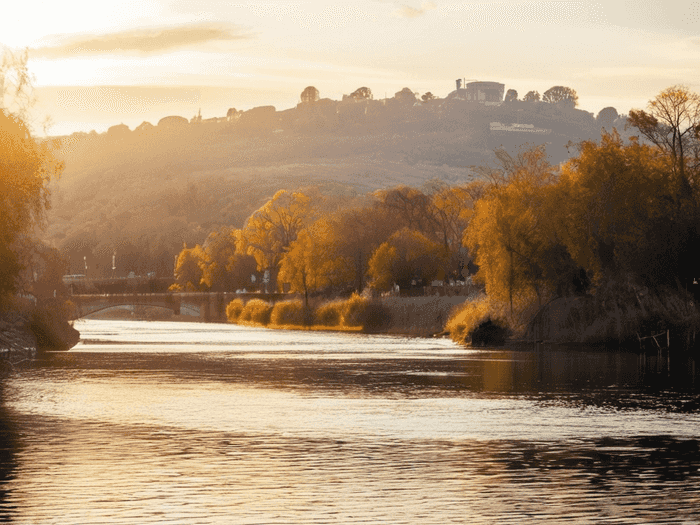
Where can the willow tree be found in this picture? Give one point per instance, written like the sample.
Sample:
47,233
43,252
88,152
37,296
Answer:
271,229
26,167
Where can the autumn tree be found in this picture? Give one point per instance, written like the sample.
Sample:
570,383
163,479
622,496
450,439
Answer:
410,206
622,219
513,232
26,168
16,92
357,232
314,263
672,123
271,229
226,266
511,95
557,94
188,270
406,256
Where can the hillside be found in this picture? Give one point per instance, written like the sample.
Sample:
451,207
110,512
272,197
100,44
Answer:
143,193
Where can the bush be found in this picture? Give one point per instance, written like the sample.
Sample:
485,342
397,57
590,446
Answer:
467,317
375,316
371,315
288,313
256,311
353,310
329,314
233,310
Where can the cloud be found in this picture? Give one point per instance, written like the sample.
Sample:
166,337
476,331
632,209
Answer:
413,12
146,41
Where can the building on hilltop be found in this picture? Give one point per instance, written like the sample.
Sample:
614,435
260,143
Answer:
488,93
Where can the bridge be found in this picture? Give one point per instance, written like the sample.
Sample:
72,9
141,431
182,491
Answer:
210,305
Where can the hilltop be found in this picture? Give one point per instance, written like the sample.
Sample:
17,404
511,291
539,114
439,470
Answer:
145,192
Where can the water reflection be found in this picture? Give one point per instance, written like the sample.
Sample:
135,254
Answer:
255,426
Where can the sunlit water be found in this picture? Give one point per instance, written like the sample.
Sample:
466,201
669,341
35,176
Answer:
147,422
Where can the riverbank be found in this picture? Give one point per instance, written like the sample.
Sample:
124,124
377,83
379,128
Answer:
423,316
27,328
617,315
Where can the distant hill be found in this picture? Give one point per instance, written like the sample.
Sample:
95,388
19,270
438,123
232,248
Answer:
143,193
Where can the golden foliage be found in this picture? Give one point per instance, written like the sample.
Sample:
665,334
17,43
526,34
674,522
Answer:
290,312
405,256
234,309
272,228
257,312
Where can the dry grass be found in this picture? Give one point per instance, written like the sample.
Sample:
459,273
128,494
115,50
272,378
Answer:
420,316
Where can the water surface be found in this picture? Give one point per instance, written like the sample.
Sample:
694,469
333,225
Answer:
148,422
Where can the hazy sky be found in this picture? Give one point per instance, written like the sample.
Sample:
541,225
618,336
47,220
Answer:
101,63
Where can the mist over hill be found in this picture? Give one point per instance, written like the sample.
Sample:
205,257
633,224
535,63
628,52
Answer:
143,193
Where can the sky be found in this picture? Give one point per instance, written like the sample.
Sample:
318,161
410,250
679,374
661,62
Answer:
97,64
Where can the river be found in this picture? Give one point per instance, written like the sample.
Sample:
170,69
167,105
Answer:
190,423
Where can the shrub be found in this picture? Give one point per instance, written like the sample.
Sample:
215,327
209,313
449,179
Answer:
370,314
329,314
467,317
233,310
256,311
288,313
353,310
375,316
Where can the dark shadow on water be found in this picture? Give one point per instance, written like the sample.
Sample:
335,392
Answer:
622,380
8,462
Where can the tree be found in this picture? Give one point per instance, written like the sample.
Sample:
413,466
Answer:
511,232
309,95
621,216
406,256
451,208
673,125
189,270
15,84
410,206
532,96
312,263
405,96
273,227
357,232
558,94
232,114
226,267
26,168
427,97
363,93
607,117
511,95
